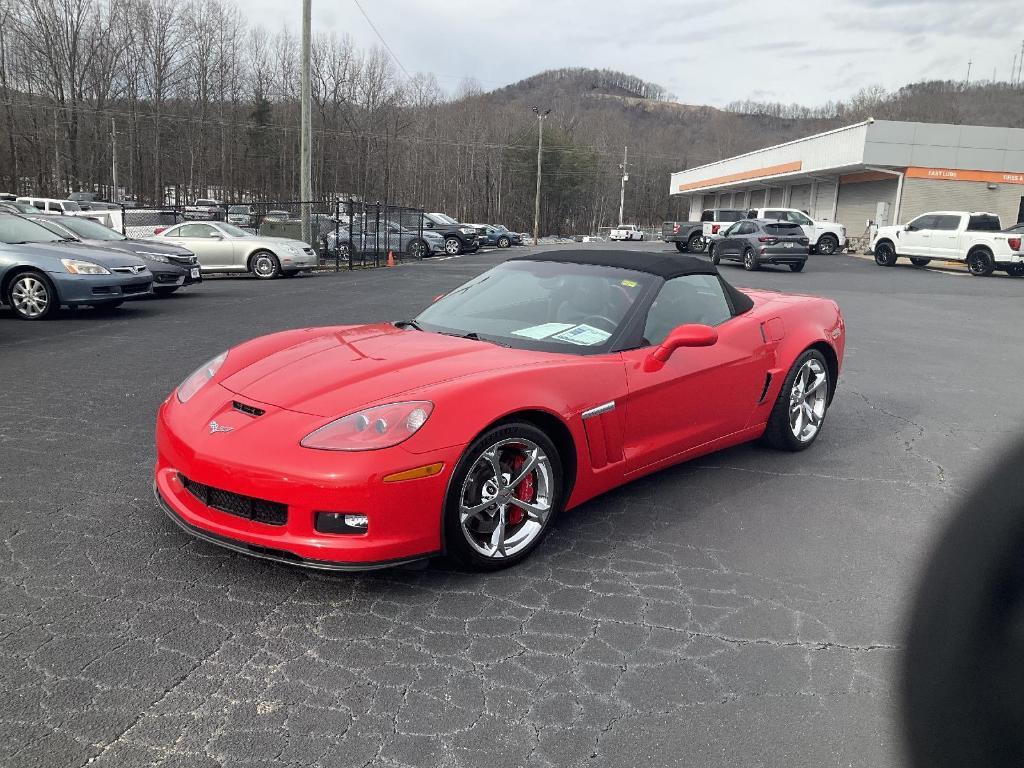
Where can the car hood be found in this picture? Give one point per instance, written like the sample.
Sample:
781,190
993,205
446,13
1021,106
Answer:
341,370
103,256
151,246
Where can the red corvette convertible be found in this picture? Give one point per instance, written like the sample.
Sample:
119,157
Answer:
538,385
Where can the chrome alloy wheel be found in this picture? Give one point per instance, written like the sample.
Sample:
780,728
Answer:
30,296
264,266
807,400
506,498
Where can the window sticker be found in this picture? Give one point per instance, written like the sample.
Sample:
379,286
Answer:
584,335
629,284
541,331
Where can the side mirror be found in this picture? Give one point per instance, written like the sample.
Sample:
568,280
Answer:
690,335
215,236
910,228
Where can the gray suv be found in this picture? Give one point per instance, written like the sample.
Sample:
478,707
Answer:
754,242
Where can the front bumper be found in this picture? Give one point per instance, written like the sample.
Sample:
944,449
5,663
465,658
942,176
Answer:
74,290
263,460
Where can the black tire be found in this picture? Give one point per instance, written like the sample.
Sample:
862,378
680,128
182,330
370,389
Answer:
504,242
797,267
681,247
917,261
417,249
715,258
827,245
696,243
1016,271
750,260
107,306
165,291
779,433
979,263
452,246
290,273
457,546
885,254
36,297
264,265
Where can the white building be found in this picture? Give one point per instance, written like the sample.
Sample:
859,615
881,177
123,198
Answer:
880,170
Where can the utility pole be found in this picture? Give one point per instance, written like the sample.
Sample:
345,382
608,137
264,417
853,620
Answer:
306,131
540,148
1020,62
113,160
625,178
968,80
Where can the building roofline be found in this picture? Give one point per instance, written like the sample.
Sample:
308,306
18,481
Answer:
869,121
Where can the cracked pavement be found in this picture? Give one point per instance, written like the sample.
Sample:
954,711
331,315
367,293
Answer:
740,610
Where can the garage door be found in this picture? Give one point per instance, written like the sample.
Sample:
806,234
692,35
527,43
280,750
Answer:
858,203
776,197
824,196
800,197
757,198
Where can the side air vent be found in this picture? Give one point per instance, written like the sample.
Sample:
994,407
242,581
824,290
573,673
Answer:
764,392
250,410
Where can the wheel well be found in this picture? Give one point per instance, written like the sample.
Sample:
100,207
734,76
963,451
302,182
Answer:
980,248
257,252
885,241
14,272
555,429
832,360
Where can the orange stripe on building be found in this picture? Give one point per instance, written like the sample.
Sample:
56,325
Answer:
859,178
772,170
955,174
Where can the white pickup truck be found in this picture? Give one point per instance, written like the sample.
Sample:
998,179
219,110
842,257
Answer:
826,237
204,209
626,232
975,239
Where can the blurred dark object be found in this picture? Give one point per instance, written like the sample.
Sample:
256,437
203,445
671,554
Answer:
963,682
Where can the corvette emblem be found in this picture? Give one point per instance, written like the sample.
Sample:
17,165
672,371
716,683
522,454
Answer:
215,428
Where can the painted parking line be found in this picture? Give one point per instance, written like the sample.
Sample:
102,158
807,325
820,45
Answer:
949,270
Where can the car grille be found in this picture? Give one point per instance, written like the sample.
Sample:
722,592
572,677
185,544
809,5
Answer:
259,510
182,259
129,270
128,290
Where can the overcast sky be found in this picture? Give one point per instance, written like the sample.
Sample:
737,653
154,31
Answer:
707,52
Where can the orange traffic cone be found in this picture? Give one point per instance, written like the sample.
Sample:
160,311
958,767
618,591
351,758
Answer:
391,258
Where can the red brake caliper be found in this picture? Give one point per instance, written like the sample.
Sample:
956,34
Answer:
523,491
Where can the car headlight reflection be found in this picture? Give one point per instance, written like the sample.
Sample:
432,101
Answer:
381,426
76,267
199,377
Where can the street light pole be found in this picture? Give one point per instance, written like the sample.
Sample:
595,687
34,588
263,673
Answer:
540,148
625,178
306,130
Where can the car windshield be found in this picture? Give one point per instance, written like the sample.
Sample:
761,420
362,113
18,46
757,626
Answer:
88,229
238,209
442,219
15,230
232,231
541,305
71,206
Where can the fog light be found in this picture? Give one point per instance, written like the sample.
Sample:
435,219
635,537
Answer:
341,522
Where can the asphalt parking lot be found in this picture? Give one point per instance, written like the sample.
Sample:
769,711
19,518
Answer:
741,610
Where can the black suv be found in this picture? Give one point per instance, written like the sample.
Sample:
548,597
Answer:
458,238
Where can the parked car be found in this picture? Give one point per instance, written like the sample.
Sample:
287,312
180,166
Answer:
94,206
1016,229
754,242
243,216
51,205
173,267
411,242
469,429
40,271
975,239
687,235
626,232
84,197
458,238
826,237
277,216
223,247
8,196
13,206
203,209
499,236
716,220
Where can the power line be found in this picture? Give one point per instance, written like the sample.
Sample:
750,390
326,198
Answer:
381,38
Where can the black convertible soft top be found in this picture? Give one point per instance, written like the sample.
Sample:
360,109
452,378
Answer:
664,265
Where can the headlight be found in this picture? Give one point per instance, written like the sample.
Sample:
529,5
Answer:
199,377
76,267
153,256
379,427
467,230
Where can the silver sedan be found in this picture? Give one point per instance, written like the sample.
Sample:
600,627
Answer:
223,247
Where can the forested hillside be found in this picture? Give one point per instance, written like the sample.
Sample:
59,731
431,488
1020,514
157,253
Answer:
202,101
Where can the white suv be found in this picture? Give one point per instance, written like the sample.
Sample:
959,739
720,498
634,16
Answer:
826,237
